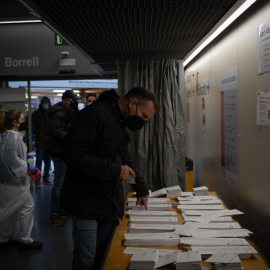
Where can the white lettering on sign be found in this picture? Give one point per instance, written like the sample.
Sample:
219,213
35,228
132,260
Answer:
31,62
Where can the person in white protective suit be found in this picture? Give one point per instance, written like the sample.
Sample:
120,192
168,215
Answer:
15,196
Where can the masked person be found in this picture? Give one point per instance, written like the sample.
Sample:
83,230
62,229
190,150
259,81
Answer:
90,98
60,117
98,160
40,123
15,194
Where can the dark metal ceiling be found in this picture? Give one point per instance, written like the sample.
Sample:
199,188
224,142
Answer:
115,30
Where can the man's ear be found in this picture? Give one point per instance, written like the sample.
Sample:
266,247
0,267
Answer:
132,101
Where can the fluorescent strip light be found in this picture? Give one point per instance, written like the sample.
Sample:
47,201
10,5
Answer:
28,21
231,19
26,96
59,91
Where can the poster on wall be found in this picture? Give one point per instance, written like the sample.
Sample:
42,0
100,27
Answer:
263,109
229,145
263,48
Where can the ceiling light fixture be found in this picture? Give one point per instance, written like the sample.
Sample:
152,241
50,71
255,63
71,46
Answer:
221,28
27,21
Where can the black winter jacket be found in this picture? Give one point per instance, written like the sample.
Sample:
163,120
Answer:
39,125
60,118
95,149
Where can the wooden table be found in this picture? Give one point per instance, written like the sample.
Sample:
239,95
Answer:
116,260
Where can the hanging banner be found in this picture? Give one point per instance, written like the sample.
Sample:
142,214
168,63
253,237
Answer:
229,145
263,48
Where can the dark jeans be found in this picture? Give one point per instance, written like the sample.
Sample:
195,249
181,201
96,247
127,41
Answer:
42,154
90,238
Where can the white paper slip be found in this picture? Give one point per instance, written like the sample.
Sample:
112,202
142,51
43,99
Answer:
221,233
193,241
222,257
167,259
150,213
218,219
162,220
146,259
186,194
200,202
143,228
154,207
161,252
158,193
197,198
218,226
242,251
189,260
131,180
205,213
200,207
129,236
173,188
152,200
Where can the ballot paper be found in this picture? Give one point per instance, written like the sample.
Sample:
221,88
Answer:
210,226
152,239
150,213
222,257
152,200
153,207
194,241
200,202
186,194
144,260
197,198
158,193
234,264
156,220
167,259
161,252
200,207
154,228
221,233
173,192
244,252
205,213
189,260
198,219
200,191
131,180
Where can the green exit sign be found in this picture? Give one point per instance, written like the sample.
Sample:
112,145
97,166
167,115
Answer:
59,41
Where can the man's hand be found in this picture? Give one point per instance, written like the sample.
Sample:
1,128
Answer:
125,172
142,201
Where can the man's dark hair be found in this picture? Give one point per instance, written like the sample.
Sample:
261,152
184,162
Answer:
143,95
91,95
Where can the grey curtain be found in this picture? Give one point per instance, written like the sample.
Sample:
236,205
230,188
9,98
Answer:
159,148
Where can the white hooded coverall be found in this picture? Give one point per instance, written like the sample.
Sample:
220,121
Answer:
15,196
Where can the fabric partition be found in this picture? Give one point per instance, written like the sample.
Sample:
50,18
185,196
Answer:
159,148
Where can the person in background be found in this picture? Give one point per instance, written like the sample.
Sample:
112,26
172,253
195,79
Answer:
39,124
98,160
90,98
60,117
15,196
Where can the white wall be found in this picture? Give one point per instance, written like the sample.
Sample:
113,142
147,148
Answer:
236,47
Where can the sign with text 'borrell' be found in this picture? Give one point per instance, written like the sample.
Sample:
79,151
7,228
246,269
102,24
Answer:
30,50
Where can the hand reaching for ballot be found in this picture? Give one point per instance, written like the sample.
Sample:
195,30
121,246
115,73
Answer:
142,201
125,172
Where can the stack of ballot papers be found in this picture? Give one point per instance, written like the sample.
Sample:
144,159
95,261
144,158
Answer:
161,252
215,220
144,260
197,198
200,207
154,239
190,260
200,191
153,207
144,213
186,194
158,193
152,228
151,220
225,260
150,200
244,252
174,191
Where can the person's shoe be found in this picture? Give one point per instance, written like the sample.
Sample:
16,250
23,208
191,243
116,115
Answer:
33,246
63,214
10,243
38,184
47,181
55,220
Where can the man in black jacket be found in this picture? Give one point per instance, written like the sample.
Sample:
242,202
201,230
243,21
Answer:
98,160
60,118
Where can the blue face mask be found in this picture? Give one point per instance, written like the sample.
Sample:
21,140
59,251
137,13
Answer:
45,106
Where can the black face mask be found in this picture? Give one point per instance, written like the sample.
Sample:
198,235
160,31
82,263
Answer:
23,126
134,122
73,105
